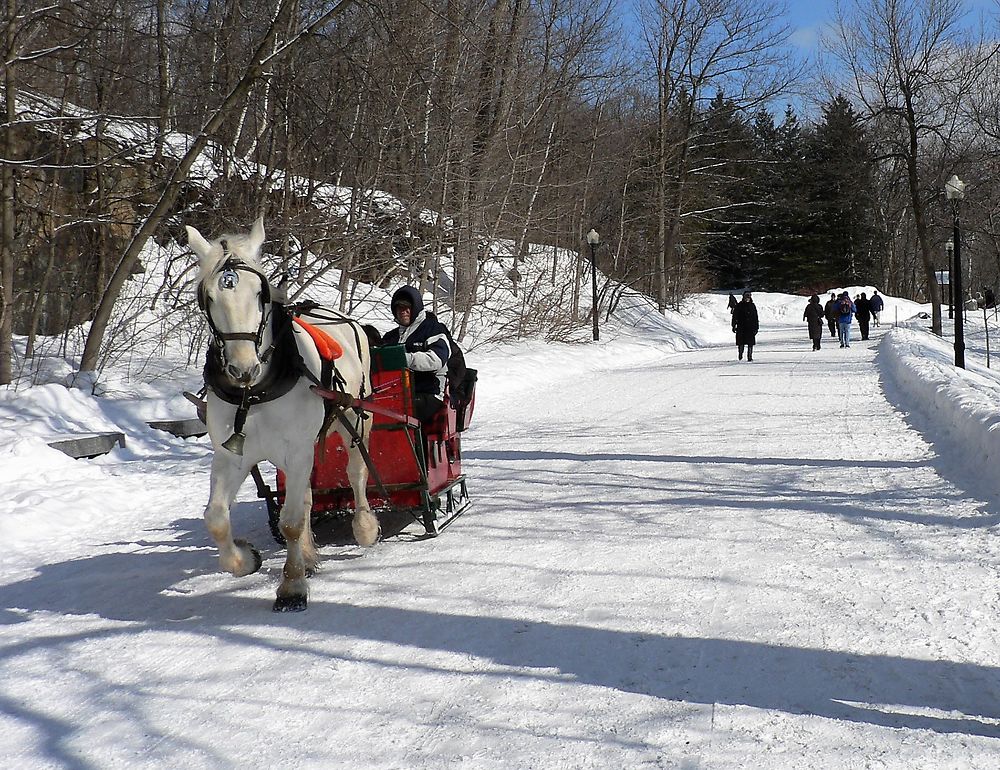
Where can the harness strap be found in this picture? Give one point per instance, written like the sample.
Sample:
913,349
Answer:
235,264
366,456
241,414
330,316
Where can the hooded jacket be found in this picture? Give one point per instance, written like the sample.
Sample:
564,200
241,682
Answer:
426,344
745,322
815,315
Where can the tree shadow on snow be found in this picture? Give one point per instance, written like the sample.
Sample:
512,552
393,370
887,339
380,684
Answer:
797,491
816,462
888,691
871,689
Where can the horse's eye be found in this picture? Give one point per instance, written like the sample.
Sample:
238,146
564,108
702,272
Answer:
228,279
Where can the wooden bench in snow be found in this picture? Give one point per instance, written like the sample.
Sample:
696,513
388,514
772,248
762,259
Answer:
87,445
181,428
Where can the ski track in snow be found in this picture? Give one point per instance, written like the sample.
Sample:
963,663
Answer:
673,561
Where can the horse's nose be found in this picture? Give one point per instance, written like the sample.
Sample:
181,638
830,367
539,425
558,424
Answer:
243,376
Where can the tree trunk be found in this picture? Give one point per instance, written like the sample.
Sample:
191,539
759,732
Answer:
7,204
920,216
162,82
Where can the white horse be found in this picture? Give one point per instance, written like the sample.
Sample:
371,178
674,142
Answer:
257,410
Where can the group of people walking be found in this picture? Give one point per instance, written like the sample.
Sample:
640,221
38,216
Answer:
838,313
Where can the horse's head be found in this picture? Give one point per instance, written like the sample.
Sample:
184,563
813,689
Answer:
234,295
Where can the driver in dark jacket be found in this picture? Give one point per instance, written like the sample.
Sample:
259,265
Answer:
427,350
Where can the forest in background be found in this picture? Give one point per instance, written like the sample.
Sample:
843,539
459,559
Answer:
512,122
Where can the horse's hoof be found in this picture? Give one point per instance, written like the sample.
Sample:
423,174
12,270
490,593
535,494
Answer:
366,536
257,561
290,604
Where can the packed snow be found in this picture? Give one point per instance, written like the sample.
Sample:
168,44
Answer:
674,559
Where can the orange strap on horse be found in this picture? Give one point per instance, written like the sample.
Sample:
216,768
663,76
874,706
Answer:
327,347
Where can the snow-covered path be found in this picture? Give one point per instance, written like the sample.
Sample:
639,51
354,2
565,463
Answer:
757,568
673,561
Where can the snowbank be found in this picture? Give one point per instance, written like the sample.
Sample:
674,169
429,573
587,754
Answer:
959,409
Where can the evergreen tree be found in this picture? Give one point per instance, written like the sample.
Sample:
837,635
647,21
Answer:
839,193
780,230
726,151
814,224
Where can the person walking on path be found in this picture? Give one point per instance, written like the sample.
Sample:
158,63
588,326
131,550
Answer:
814,314
732,304
746,325
876,304
845,312
864,312
830,311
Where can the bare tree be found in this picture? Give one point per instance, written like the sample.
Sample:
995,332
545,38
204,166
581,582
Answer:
266,53
911,66
697,48
9,54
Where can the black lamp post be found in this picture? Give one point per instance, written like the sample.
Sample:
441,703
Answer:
594,239
949,250
954,189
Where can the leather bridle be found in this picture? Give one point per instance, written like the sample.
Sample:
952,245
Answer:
235,265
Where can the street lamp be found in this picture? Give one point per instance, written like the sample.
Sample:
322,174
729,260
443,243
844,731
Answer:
949,250
954,190
594,239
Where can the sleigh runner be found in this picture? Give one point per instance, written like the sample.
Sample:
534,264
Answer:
414,468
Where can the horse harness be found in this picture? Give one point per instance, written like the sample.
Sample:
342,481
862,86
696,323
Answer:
286,366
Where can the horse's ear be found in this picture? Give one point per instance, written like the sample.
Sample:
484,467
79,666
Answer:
257,235
198,244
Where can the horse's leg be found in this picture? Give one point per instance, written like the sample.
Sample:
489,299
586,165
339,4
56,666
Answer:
364,524
235,556
296,527
309,555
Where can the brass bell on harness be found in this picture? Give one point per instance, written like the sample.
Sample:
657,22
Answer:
235,443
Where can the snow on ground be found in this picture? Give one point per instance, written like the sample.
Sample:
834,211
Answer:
674,560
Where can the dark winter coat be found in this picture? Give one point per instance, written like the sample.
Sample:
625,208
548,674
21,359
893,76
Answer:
876,303
745,322
862,308
426,344
830,309
815,315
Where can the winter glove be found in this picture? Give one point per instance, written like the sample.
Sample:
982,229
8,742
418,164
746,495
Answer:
415,347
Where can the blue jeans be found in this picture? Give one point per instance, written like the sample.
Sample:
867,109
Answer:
844,327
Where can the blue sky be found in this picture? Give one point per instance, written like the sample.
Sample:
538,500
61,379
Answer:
806,20
806,17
